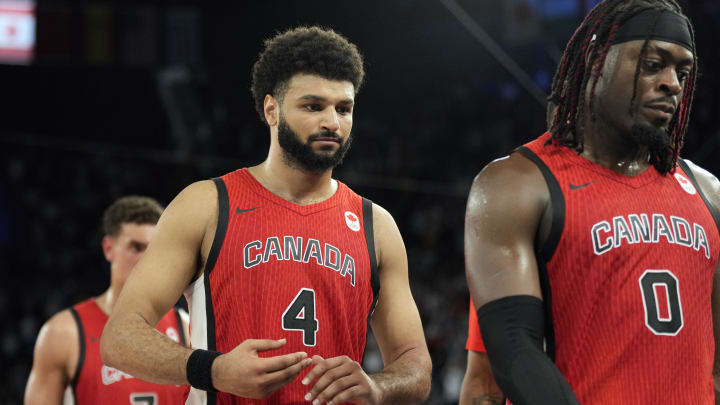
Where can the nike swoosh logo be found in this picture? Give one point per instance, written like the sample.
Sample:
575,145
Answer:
239,211
574,187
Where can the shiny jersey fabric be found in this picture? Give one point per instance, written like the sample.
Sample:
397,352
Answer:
627,276
280,270
96,383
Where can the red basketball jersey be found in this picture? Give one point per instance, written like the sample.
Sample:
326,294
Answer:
627,276
280,270
96,383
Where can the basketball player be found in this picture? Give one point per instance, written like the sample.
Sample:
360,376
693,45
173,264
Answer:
281,264
597,236
67,351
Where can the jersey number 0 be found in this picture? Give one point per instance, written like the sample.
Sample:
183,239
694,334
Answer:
660,291
300,315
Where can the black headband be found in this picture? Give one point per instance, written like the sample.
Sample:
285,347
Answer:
670,27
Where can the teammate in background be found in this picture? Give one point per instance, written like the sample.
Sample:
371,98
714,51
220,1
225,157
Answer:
597,236
281,264
67,351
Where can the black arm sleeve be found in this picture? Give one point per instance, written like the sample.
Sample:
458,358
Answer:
512,329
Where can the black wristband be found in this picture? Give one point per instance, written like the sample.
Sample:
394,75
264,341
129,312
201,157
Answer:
199,369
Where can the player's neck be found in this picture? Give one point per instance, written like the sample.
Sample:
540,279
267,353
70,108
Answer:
106,301
613,149
292,184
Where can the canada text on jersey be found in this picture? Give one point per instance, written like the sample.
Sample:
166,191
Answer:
294,248
639,228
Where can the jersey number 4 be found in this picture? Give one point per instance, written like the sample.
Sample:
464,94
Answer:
661,299
300,315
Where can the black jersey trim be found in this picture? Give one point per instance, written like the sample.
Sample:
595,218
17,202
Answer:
220,231
547,249
178,318
222,225
713,212
81,357
557,202
370,239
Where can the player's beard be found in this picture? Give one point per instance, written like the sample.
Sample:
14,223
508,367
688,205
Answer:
302,156
654,138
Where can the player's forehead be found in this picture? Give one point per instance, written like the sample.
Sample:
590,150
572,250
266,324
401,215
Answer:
308,86
670,51
131,231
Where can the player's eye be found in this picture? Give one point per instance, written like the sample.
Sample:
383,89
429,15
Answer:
651,65
683,75
313,107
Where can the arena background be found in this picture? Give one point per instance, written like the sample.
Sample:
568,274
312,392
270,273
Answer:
145,97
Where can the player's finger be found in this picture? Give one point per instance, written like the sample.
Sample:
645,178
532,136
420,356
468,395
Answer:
321,366
329,376
262,345
281,378
335,388
279,363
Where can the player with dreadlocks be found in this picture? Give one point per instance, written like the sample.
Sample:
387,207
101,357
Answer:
596,238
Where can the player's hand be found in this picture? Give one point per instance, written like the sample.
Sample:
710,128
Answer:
243,373
340,379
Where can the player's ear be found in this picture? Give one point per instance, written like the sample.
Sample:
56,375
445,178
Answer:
271,107
107,246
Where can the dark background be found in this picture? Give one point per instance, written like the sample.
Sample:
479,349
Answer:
145,97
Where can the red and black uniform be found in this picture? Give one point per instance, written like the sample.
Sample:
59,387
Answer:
277,269
96,383
627,275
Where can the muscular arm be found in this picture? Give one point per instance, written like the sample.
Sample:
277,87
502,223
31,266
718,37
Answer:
54,361
711,188
505,207
479,387
396,321
130,341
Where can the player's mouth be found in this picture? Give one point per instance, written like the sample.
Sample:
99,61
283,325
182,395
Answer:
326,141
661,110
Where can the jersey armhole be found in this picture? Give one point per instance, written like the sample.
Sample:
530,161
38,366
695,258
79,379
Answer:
557,204
81,356
547,250
713,212
181,327
370,241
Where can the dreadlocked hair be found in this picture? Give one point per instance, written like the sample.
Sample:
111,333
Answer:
573,75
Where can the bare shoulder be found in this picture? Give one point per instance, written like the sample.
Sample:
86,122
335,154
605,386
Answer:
196,197
57,343
194,212
61,326
383,221
508,184
389,245
709,184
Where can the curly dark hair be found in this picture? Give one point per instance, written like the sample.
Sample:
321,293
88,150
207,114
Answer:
132,209
573,75
312,50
